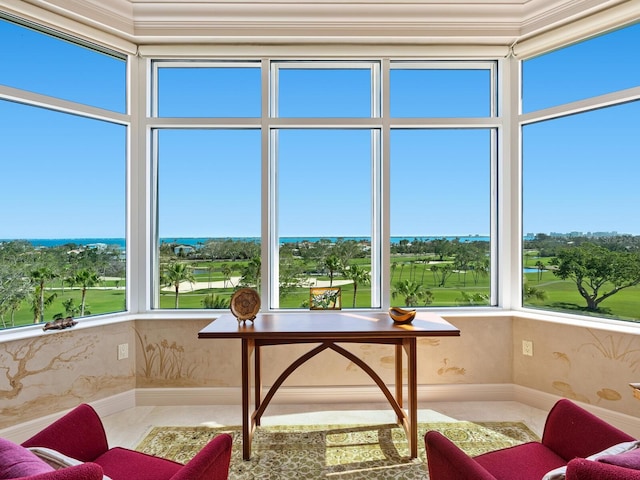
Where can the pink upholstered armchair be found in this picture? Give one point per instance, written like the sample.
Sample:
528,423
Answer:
570,432
581,469
80,435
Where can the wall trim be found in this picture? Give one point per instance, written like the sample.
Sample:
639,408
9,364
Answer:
106,406
327,395
314,395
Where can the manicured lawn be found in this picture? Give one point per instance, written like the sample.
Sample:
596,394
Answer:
560,295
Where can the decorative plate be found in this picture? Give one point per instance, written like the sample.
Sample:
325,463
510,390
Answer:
245,304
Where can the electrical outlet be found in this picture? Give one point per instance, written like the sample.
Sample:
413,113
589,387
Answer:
527,348
123,351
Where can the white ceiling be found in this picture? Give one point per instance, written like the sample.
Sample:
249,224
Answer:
490,22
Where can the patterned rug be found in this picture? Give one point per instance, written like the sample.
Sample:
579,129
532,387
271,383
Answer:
345,452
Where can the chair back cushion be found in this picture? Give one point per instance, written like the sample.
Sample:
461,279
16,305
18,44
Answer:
581,469
571,431
17,461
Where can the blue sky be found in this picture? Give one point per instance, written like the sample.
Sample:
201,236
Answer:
64,176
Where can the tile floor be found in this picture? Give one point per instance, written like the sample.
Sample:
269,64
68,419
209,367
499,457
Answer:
127,428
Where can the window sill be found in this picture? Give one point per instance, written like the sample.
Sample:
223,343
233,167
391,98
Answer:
619,326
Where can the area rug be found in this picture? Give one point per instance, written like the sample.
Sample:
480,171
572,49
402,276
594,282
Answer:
345,452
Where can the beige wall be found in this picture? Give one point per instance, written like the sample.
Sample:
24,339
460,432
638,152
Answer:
588,364
58,370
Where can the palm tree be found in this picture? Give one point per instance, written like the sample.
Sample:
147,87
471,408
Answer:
532,293
176,273
332,263
446,271
401,269
394,266
226,273
40,302
540,266
86,278
411,291
70,309
41,276
481,269
358,275
251,273
215,301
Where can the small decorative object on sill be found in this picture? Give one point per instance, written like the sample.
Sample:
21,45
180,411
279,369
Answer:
400,315
60,324
245,304
636,389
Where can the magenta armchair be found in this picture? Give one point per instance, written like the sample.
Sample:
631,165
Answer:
80,435
581,469
570,432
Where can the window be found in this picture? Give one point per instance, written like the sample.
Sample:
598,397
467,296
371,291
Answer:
308,91
325,212
444,90
604,64
581,229
61,67
305,182
62,241
208,215
208,90
440,239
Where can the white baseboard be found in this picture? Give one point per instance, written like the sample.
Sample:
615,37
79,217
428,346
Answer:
326,395
106,406
320,395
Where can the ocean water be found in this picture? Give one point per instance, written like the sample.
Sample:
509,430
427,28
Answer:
195,241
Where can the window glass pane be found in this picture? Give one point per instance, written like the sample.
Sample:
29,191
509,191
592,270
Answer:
208,92
309,92
440,213
324,215
594,67
43,64
440,93
580,211
208,216
64,221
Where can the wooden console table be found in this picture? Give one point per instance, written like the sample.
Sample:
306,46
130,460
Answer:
328,329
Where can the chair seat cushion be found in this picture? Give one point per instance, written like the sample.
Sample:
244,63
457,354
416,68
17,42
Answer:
121,463
529,461
16,461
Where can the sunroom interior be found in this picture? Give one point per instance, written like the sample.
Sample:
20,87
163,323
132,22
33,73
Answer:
590,359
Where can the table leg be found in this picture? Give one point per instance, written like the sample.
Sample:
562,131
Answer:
399,378
257,384
247,424
410,345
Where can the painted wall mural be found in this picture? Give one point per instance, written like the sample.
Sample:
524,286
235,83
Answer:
588,365
58,370
163,361
618,349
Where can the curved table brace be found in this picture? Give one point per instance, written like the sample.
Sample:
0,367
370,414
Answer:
345,353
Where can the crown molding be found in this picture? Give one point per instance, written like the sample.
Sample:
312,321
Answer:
481,22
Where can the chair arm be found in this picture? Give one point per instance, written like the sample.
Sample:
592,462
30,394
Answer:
581,469
210,463
85,471
571,431
78,434
447,462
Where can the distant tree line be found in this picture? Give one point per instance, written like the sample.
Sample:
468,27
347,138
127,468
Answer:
27,274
